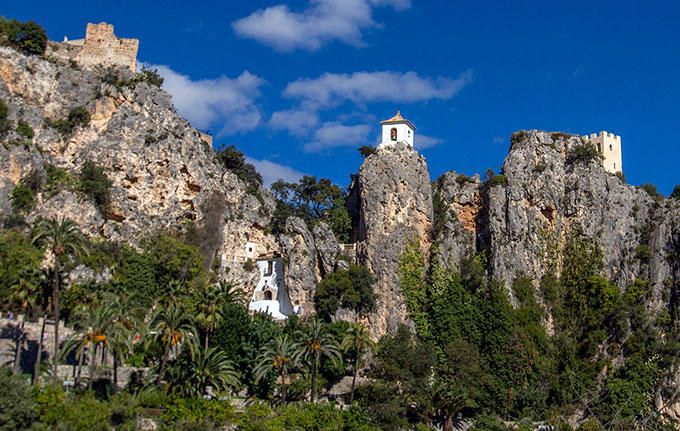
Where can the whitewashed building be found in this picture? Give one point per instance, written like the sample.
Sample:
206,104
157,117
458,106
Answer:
270,295
397,129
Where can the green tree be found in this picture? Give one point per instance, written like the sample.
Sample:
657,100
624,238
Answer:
358,342
312,200
27,37
64,240
235,161
150,76
21,276
173,326
351,289
314,342
17,409
209,367
210,305
278,356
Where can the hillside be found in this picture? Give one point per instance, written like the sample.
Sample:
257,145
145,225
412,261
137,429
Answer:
507,286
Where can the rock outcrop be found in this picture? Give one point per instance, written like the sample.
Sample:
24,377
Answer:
163,173
523,218
391,202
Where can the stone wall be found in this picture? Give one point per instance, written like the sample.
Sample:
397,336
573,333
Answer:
102,47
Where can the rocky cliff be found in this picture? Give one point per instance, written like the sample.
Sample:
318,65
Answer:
164,174
523,218
391,202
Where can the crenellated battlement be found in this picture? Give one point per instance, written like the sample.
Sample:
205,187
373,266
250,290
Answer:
609,146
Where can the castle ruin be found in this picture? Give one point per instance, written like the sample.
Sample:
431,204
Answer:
100,47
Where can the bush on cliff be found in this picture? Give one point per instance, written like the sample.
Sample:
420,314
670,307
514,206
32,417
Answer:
77,117
95,184
584,153
27,37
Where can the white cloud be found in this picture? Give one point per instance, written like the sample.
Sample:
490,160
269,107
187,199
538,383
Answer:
227,103
331,89
334,135
297,122
272,171
323,21
423,142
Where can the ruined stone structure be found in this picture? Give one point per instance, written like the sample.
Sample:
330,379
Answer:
100,47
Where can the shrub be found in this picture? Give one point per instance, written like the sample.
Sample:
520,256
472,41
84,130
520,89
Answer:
676,193
22,198
584,153
498,180
27,37
17,410
643,253
24,129
149,76
652,191
95,184
76,117
517,137
58,179
4,122
367,150
463,179
620,176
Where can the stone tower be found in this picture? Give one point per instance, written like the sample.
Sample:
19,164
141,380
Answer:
609,145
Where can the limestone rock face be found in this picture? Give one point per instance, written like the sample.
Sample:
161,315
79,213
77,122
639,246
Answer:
163,173
391,202
328,248
458,203
300,263
523,221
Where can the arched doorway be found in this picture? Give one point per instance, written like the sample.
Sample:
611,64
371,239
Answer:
268,295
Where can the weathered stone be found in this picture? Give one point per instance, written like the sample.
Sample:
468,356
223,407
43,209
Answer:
391,203
327,247
301,264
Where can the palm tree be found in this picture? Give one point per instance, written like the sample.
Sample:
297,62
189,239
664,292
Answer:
172,325
124,327
449,400
314,343
357,340
279,357
63,238
211,302
93,332
210,367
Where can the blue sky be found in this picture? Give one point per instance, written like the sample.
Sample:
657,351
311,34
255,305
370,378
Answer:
300,85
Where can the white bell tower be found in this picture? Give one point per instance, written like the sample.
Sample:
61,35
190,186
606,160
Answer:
397,129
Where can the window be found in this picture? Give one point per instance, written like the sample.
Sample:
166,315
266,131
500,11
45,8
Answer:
250,249
393,134
610,147
270,267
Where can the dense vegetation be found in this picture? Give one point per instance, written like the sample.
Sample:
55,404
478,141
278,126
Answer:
27,37
312,200
606,355
162,311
